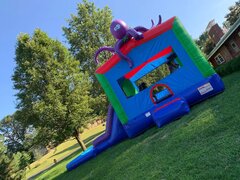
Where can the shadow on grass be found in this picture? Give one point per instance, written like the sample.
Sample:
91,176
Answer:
86,141
91,138
68,158
65,160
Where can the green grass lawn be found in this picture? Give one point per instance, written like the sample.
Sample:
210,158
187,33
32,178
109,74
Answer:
63,150
202,145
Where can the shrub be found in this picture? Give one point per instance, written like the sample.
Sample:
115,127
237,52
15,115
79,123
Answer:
229,67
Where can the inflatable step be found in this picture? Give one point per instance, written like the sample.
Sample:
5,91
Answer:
170,111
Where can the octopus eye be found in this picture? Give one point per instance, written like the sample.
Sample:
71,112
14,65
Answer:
117,27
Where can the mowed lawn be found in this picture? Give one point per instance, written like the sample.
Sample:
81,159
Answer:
202,145
63,150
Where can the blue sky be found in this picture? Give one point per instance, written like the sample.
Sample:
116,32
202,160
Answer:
50,15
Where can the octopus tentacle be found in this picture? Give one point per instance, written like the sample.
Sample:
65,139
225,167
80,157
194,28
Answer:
134,34
117,47
104,48
152,23
141,29
159,19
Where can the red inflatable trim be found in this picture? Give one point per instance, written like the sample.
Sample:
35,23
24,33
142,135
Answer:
158,55
154,32
158,85
167,104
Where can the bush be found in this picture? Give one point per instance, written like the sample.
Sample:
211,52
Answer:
12,166
229,67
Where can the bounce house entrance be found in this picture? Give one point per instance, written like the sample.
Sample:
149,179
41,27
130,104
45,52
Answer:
160,92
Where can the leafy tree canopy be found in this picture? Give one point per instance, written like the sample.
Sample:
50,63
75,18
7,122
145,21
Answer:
87,31
205,43
234,13
17,137
53,95
12,166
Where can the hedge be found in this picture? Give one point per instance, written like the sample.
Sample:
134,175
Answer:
229,67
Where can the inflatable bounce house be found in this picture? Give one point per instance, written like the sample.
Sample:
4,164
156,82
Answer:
153,78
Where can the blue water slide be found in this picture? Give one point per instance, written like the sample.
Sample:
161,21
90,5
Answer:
117,134
83,157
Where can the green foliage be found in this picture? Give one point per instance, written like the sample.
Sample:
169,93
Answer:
53,95
17,136
18,163
12,166
229,67
13,132
234,13
201,40
4,160
154,76
86,32
205,43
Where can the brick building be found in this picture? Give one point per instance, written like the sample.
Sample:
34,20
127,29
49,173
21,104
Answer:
215,33
227,45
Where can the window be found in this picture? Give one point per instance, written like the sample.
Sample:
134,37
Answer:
171,64
234,46
151,73
219,59
153,76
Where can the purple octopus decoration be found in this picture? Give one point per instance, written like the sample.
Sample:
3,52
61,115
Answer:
123,34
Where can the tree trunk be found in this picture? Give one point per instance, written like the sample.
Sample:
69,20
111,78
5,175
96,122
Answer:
79,140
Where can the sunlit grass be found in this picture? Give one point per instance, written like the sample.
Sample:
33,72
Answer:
205,144
63,150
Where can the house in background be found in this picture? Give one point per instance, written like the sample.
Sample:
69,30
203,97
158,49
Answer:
227,45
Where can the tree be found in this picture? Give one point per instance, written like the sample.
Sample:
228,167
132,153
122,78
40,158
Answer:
209,46
234,13
17,137
12,166
87,31
205,43
4,160
13,133
53,95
